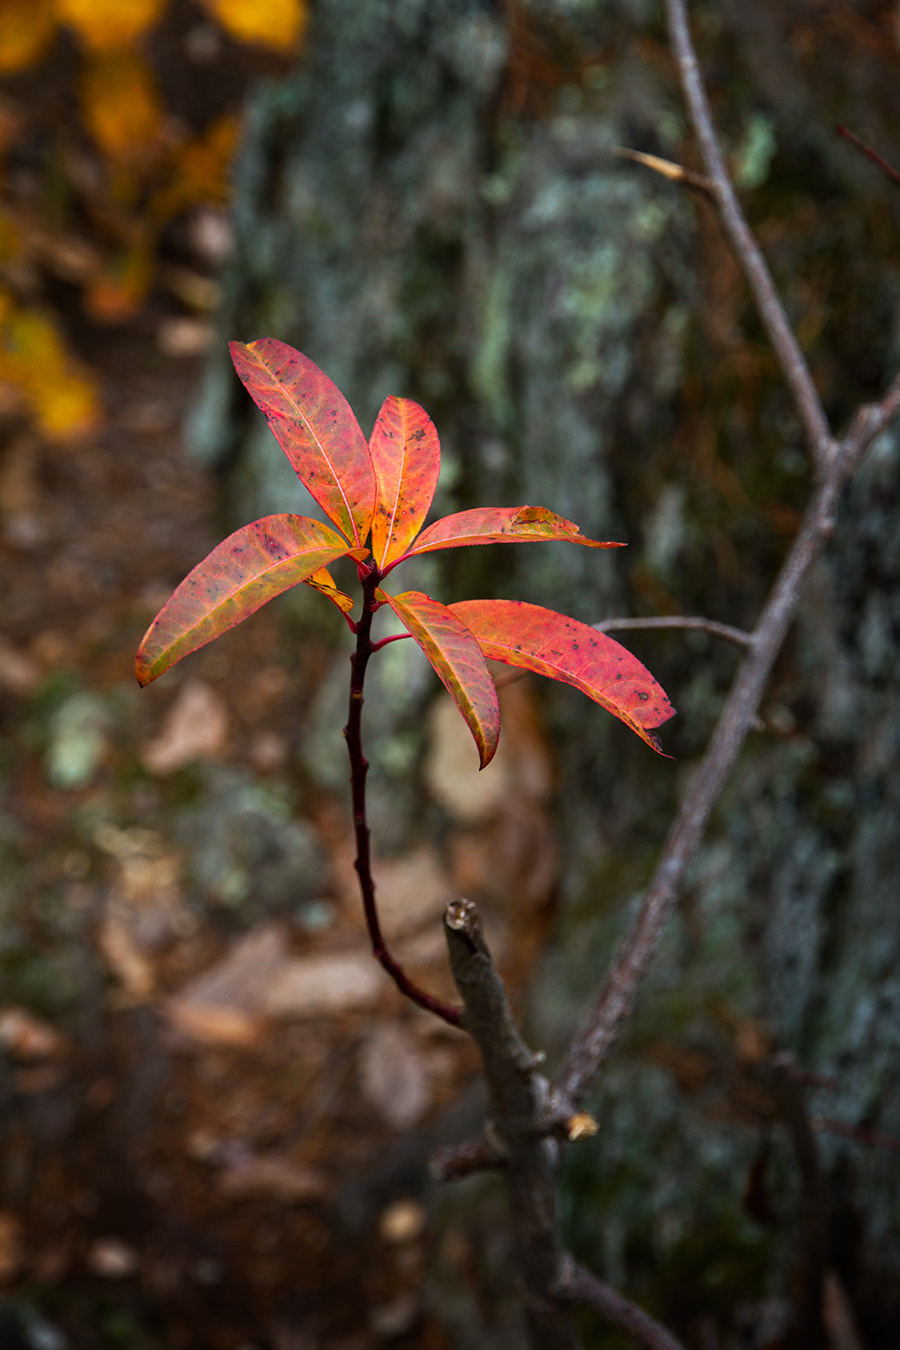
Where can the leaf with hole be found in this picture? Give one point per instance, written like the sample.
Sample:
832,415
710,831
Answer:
250,567
458,660
540,640
315,427
501,525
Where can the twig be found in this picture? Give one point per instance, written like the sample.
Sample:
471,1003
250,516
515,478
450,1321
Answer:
359,768
738,636
620,988
770,309
455,1161
517,1100
579,1285
676,173
871,154
858,1133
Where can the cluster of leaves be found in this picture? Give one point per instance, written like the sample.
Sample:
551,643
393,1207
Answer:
146,169
378,496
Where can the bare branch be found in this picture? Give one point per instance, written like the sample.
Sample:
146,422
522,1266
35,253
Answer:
517,1099
676,173
580,1286
858,1133
871,154
738,636
455,1161
619,991
771,311
620,988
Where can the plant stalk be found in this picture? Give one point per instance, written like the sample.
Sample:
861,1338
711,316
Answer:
359,767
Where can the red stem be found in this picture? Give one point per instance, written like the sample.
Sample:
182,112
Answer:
359,766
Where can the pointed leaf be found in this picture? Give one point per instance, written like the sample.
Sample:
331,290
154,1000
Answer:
459,663
551,644
406,455
315,427
251,566
501,525
323,582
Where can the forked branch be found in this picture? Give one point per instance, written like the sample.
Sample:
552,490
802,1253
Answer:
835,462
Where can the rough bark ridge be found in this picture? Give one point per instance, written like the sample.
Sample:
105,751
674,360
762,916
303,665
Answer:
431,209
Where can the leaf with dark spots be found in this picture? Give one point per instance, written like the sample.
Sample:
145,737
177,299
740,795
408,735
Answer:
550,644
501,525
315,427
251,566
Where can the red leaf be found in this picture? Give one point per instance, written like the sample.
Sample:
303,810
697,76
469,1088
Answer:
251,566
323,582
406,454
315,427
551,644
500,525
458,660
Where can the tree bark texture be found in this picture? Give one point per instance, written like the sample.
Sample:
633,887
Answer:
431,207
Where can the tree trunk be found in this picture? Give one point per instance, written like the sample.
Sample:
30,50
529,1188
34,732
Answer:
431,207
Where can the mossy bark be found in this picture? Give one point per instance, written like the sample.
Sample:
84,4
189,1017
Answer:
431,208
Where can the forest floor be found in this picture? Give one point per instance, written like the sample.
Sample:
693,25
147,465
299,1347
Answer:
215,1112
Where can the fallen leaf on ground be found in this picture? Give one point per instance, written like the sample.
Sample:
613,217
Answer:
226,1004
271,1174
323,986
393,1076
195,727
18,673
125,959
411,889
111,1258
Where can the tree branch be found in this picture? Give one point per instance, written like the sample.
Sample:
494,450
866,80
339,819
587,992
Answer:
873,155
580,1286
517,1101
619,991
769,307
738,636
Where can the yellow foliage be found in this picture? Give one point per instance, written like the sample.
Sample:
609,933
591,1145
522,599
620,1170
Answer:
105,24
120,106
35,363
199,171
271,23
26,27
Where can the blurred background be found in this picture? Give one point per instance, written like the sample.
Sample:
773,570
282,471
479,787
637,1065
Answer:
215,1115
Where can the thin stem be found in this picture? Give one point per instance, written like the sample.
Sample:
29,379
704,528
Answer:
383,642
359,767
768,305
576,1284
873,155
738,636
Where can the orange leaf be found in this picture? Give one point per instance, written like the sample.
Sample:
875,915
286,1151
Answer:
26,28
458,660
272,23
323,582
315,427
109,23
406,455
551,644
500,525
251,566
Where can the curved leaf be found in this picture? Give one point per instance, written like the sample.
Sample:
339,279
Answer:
323,582
501,525
551,644
251,566
406,455
458,660
315,427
